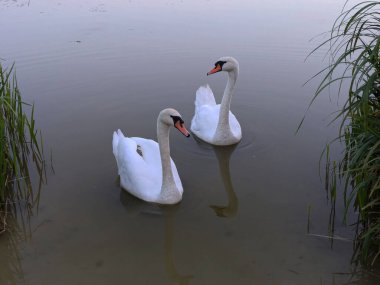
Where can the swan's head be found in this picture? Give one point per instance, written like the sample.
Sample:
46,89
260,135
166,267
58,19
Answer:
172,118
225,63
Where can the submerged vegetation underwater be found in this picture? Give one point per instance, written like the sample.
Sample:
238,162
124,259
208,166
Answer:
354,45
20,144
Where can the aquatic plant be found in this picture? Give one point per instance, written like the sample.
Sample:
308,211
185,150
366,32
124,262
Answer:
354,44
20,148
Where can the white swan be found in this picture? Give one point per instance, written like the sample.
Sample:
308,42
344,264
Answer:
145,167
214,123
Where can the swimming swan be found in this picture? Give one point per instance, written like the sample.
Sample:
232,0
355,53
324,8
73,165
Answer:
215,124
145,167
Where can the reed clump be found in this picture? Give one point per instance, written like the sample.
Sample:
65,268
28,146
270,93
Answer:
21,150
354,44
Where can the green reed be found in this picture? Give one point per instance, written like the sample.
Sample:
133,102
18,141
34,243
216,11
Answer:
354,45
21,147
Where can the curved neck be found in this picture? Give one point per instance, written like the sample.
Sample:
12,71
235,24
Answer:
223,123
169,189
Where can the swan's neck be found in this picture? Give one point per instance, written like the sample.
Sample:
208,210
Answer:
223,127
169,191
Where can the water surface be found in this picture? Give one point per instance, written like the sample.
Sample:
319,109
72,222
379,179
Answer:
91,67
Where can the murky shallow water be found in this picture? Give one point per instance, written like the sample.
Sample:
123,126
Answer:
92,67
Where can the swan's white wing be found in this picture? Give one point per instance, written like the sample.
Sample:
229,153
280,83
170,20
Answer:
150,152
204,96
177,180
205,121
235,126
141,176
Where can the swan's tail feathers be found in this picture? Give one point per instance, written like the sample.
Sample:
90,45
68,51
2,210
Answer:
115,141
120,133
204,96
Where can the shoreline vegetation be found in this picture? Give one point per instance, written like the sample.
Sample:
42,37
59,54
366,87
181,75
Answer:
354,61
21,152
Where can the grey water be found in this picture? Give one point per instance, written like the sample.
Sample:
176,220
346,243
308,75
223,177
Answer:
91,67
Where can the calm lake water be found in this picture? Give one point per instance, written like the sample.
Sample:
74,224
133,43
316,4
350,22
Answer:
92,67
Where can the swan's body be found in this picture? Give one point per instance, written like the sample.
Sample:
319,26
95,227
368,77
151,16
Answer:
215,123
145,167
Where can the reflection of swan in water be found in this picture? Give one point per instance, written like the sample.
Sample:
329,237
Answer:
223,155
136,206
169,213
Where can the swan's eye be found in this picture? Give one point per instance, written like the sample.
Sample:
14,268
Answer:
220,63
176,119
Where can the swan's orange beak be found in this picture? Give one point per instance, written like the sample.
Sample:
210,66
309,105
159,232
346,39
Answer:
182,128
216,69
